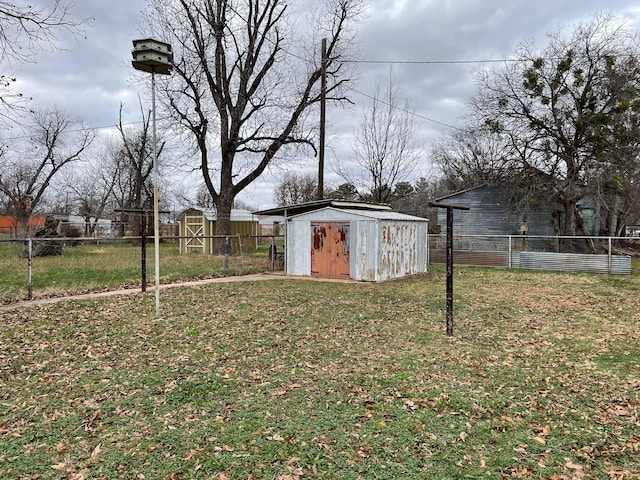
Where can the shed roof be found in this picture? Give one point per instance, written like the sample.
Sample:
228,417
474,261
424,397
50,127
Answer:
237,215
296,209
371,214
460,192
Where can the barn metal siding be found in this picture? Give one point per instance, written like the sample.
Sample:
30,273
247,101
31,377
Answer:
492,213
298,247
401,251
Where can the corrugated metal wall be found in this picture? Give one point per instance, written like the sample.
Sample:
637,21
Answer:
379,249
576,262
523,252
402,249
491,212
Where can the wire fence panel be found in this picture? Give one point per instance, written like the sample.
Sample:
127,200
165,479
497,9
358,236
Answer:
13,271
571,254
65,266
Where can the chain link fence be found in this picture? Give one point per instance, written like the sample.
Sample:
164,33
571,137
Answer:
44,267
576,253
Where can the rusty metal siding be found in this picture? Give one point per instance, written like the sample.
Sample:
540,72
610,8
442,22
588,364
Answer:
377,243
401,252
366,243
330,249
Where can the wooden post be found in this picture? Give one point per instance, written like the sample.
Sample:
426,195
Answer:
449,295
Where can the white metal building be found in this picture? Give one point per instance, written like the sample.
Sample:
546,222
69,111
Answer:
361,244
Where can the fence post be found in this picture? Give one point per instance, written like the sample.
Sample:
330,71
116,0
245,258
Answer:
272,254
30,268
509,263
226,255
609,258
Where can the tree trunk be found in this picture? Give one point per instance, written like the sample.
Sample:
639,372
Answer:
567,245
223,222
612,217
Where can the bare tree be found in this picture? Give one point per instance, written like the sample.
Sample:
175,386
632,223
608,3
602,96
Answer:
53,142
135,160
386,148
294,188
93,187
24,31
468,158
245,80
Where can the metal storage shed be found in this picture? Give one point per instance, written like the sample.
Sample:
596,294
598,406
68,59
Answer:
369,245
197,228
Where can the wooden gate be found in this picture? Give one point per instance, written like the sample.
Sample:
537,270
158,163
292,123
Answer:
330,249
192,241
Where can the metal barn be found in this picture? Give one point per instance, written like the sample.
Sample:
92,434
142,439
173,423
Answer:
368,245
197,228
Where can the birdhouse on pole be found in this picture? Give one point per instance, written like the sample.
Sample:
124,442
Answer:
154,56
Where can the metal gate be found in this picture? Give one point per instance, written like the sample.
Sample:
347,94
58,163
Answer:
330,249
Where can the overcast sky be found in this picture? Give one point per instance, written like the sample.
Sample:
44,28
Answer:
93,75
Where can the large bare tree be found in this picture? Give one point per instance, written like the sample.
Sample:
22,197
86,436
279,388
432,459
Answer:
246,75
52,141
386,147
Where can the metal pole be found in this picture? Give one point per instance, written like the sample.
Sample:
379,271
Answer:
30,268
449,296
449,271
143,251
226,256
156,220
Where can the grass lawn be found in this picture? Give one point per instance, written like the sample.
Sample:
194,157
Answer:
94,267
294,379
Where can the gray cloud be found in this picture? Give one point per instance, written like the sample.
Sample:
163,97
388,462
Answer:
92,75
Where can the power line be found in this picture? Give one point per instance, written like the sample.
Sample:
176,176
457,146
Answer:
437,62
423,117
78,130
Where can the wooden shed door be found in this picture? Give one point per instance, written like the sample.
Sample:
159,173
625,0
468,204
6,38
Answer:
193,232
330,249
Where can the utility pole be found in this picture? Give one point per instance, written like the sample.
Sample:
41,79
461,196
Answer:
323,106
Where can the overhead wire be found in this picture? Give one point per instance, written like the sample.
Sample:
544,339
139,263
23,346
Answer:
364,61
